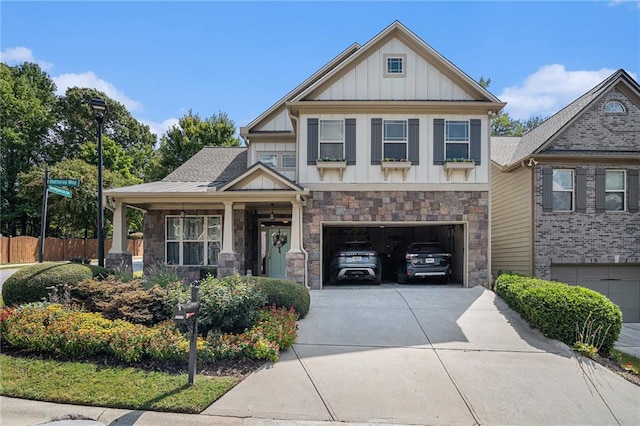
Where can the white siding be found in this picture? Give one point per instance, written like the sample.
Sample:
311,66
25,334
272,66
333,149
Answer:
367,81
511,216
279,123
258,147
363,172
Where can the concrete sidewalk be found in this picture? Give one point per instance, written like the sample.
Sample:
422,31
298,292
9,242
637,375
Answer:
403,355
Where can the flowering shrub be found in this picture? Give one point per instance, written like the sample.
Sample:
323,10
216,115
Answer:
275,330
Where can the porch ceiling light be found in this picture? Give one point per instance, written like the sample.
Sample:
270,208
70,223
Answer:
272,216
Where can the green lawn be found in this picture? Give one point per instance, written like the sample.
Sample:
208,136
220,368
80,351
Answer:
626,361
89,384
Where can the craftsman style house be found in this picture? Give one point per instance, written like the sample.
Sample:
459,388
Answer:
564,197
389,142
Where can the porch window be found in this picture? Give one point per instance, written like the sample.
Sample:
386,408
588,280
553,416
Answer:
331,139
456,140
394,139
193,240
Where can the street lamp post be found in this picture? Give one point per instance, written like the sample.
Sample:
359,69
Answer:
99,110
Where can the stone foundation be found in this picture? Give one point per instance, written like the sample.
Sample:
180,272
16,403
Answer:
295,267
228,264
121,262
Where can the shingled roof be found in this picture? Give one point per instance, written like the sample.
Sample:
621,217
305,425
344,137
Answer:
537,137
215,164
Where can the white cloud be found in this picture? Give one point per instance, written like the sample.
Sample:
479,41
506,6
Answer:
89,79
160,128
549,89
18,55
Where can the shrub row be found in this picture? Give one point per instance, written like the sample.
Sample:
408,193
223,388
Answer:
567,313
71,334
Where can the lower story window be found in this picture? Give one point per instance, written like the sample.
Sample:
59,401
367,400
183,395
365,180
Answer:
193,240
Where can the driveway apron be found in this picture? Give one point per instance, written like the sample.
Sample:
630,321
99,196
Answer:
428,355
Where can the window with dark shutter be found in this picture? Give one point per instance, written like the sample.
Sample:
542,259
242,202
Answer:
350,140
600,190
414,141
376,140
547,189
438,141
475,140
581,190
634,190
312,140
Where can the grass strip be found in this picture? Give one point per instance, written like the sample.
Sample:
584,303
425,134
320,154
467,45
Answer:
626,361
83,383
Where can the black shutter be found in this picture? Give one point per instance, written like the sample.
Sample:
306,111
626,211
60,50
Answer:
312,140
476,140
634,190
547,189
438,141
376,140
414,141
581,190
350,140
600,190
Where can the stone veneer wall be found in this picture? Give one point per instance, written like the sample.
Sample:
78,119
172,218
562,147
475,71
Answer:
590,237
154,243
400,206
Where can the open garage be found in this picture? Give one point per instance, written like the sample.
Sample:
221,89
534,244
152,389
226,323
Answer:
391,239
620,283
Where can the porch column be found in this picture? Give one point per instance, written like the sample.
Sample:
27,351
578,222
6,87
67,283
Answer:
118,257
295,245
227,228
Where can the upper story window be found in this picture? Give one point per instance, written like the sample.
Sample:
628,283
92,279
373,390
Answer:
614,107
193,240
288,161
615,190
394,65
331,139
269,159
563,190
456,140
394,139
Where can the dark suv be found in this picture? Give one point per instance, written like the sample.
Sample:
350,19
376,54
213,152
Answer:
356,260
425,260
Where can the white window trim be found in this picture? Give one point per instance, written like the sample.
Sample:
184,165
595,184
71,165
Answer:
624,110
270,154
295,161
205,241
572,191
396,141
385,68
330,141
457,142
623,191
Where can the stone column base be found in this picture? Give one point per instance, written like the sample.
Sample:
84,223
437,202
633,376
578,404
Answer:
295,267
121,262
228,264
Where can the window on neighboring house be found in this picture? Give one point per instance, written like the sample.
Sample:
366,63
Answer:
615,190
456,140
331,139
288,161
563,190
394,65
614,106
269,159
394,139
193,240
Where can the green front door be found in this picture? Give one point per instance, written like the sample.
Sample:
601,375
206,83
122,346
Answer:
278,242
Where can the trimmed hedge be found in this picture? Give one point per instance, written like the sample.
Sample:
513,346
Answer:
285,294
30,283
563,312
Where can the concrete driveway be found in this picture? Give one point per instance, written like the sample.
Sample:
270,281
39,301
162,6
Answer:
428,355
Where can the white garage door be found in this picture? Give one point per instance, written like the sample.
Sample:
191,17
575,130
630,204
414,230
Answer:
620,283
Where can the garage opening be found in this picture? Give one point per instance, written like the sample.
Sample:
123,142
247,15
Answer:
390,240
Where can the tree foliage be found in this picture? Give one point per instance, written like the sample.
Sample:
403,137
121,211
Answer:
189,136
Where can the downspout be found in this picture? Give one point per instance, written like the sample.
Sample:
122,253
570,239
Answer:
306,254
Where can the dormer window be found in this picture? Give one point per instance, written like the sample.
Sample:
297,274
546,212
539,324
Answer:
614,107
394,65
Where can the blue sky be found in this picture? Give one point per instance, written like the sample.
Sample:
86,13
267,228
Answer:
161,59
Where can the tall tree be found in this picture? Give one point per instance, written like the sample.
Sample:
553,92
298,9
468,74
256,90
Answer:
189,136
26,116
76,133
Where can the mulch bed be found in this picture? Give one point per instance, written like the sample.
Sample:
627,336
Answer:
616,368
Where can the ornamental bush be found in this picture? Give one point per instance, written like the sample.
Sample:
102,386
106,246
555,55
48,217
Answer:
285,294
562,311
31,283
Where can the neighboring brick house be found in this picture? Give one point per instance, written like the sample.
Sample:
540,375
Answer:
565,196
276,208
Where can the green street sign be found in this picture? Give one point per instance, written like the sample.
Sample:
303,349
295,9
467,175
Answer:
60,191
64,182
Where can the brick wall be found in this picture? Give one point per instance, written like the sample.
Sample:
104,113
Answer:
400,206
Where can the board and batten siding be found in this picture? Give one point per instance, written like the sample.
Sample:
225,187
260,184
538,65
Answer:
511,216
258,147
366,81
279,122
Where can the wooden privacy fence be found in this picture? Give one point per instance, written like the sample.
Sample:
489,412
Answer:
26,249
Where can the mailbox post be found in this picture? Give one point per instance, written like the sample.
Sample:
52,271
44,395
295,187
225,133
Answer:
187,313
